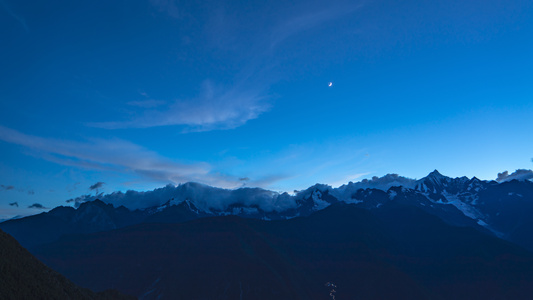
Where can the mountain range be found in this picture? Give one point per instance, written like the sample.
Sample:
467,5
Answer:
502,209
390,237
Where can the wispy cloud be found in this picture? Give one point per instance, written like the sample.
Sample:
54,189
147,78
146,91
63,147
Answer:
12,188
124,157
118,156
215,108
345,179
15,16
267,181
308,21
227,107
169,7
150,103
97,186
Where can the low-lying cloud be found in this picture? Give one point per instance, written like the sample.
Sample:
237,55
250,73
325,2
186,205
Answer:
212,198
203,196
520,174
381,183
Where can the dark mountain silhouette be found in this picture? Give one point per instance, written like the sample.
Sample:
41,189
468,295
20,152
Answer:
500,209
90,217
398,251
25,277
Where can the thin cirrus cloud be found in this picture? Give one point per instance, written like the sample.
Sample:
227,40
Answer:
15,16
151,103
12,188
214,109
222,108
118,156
167,6
308,21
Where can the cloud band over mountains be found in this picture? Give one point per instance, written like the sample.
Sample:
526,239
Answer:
520,174
205,197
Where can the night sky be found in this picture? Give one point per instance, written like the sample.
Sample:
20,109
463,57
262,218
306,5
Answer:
103,96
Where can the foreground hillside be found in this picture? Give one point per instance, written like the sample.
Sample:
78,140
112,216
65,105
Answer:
25,277
396,252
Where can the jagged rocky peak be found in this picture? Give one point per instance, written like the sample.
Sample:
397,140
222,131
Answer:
434,182
95,203
463,179
436,175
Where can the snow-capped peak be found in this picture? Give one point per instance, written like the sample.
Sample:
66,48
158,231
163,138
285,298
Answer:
437,177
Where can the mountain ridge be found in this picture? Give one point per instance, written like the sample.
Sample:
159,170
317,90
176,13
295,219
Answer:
487,206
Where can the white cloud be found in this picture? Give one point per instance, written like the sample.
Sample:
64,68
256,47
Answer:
308,21
15,16
118,156
520,174
215,108
345,179
203,196
382,183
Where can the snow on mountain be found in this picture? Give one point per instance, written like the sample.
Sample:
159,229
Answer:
345,191
392,194
467,209
461,192
204,197
503,208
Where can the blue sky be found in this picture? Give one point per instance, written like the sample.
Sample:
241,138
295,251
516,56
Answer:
138,94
